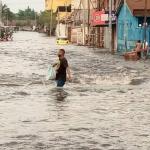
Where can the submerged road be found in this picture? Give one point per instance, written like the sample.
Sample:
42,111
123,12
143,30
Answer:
106,107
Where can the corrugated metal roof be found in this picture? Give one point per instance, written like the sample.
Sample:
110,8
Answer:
138,7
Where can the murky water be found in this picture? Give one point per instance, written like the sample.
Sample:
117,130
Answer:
107,107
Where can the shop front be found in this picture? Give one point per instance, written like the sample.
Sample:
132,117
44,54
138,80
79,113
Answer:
100,23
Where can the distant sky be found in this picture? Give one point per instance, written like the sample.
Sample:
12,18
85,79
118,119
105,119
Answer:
15,5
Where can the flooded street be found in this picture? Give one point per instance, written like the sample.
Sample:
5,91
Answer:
106,107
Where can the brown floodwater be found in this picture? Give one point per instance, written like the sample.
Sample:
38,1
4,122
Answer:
106,107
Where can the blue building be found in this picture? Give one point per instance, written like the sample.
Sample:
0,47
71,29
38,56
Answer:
130,24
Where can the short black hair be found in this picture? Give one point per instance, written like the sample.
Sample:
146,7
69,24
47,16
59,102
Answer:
139,41
62,50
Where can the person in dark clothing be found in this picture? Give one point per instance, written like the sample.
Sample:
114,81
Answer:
62,69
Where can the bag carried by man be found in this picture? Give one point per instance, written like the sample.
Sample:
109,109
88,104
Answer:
51,73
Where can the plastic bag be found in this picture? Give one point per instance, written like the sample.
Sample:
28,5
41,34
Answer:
51,73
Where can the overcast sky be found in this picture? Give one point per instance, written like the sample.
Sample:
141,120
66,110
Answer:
15,5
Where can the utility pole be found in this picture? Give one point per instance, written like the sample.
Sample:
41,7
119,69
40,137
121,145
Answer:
58,22
51,19
88,1
66,28
98,28
84,21
110,26
145,24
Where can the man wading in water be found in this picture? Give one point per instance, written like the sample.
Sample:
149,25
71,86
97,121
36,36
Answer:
62,69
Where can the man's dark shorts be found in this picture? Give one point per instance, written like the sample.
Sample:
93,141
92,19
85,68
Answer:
60,83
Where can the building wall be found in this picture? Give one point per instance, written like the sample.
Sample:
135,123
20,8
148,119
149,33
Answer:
61,30
56,3
133,31
101,39
75,4
104,4
106,38
79,25
63,15
84,4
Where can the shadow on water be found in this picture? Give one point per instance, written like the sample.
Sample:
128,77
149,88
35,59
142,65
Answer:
59,97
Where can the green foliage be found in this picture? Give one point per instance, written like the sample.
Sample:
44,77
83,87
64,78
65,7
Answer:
27,14
7,14
45,19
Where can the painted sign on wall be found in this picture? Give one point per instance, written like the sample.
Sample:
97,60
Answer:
102,18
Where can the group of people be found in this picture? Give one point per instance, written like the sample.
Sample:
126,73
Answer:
6,35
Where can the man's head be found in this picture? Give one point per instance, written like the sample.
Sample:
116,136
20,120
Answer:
139,41
61,53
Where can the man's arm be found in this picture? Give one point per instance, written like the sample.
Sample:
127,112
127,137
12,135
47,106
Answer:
54,65
69,73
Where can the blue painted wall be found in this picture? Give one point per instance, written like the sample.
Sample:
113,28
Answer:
133,31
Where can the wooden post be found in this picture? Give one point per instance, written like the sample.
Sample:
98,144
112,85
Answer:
66,10
110,26
84,21
145,24
98,28
88,1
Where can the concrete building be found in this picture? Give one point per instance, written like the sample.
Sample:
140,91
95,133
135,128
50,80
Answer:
63,10
79,21
100,23
84,31
55,3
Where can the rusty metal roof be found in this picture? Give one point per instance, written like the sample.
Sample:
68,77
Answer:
137,7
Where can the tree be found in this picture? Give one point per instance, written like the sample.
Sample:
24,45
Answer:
45,18
7,14
29,17
26,17
27,14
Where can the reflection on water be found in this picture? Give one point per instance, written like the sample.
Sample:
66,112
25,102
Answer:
106,107
59,94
